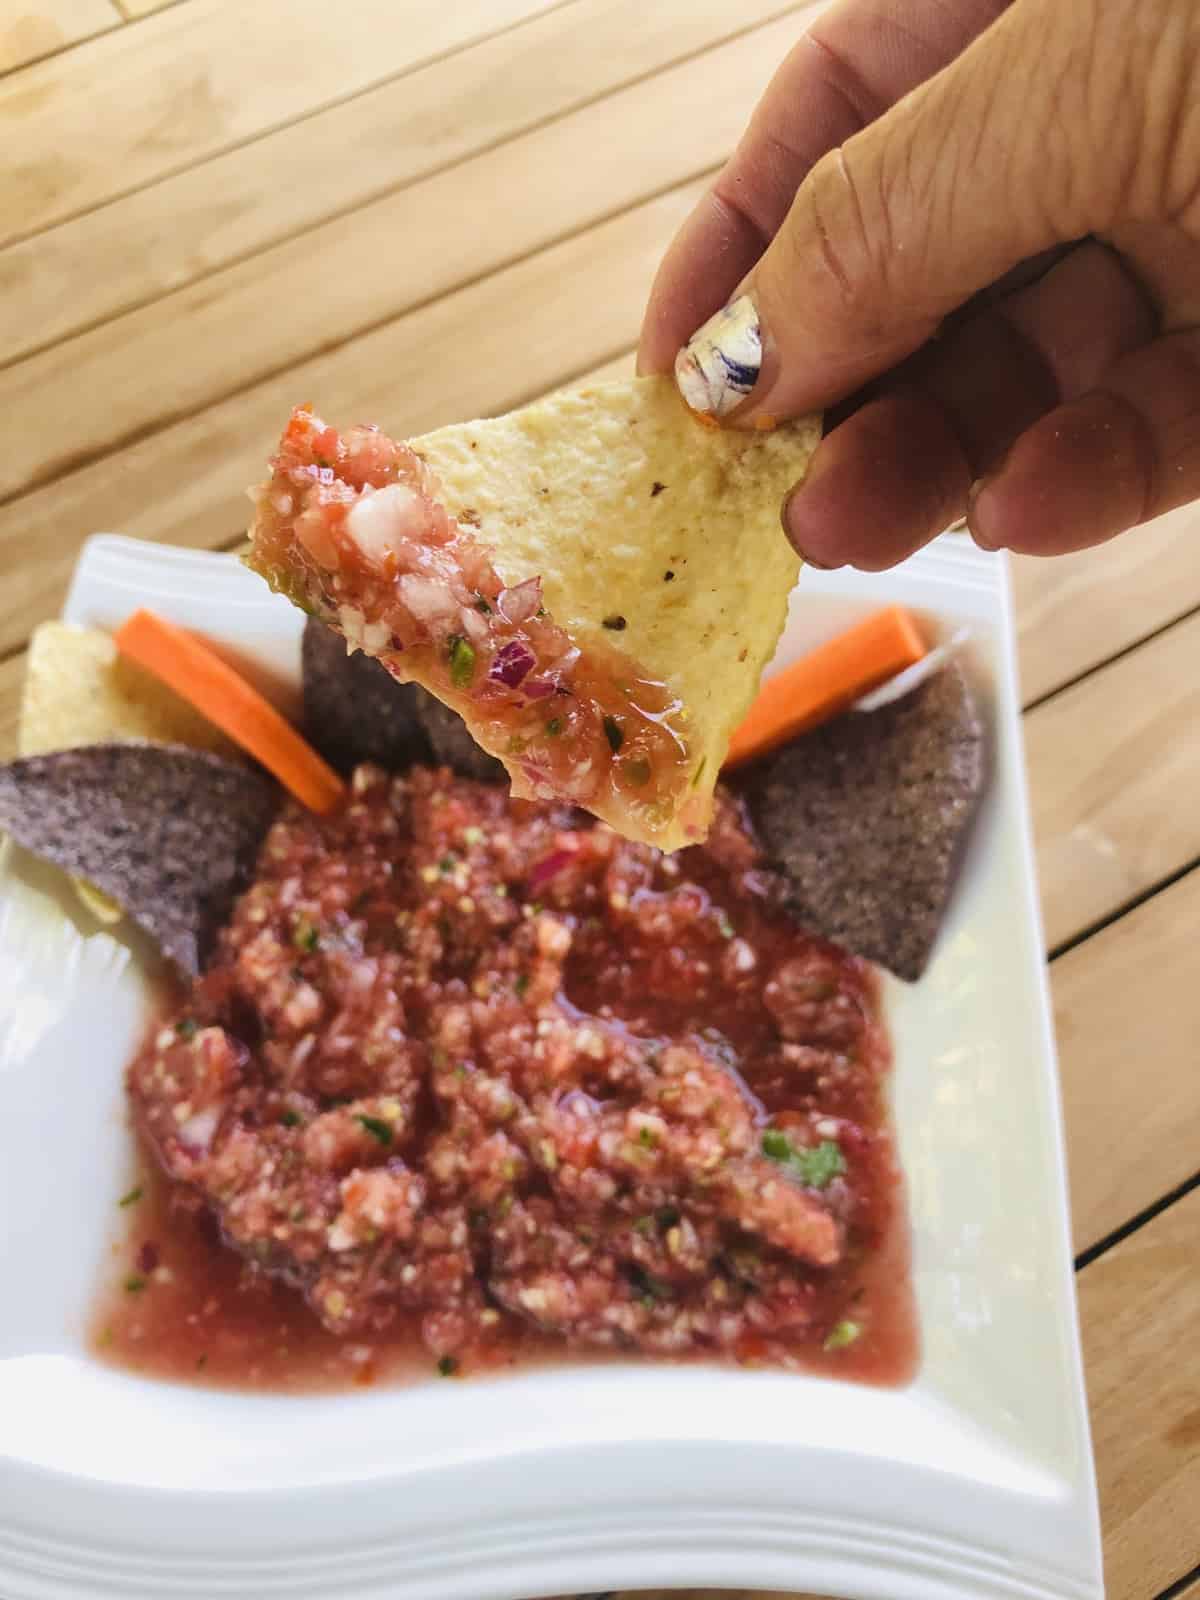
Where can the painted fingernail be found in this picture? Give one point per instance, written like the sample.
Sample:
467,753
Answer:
720,363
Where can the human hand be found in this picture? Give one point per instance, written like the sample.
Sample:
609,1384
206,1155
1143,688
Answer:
979,226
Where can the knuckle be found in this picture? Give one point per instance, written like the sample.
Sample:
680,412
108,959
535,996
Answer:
840,245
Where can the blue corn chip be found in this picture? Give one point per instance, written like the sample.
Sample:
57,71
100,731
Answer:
355,711
170,833
867,817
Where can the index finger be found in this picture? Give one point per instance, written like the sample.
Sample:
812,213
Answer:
857,58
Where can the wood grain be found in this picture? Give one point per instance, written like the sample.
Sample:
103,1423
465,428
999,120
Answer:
12,673
143,8
1116,761
36,28
187,484
166,235
140,102
1127,1011
316,291
1076,611
1138,1306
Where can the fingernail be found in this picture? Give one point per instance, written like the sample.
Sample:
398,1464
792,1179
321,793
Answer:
719,365
977,518
785,517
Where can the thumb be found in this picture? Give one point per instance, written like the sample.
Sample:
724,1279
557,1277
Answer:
959,181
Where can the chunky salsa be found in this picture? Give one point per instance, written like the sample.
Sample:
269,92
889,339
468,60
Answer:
472,1078
350,527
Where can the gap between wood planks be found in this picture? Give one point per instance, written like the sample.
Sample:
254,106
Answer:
42,29
349,277
227,210
208,43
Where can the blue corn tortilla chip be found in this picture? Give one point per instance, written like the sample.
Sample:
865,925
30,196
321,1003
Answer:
170,833
355,711
867,817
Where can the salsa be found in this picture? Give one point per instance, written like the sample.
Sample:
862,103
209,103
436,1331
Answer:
472,1080
349,526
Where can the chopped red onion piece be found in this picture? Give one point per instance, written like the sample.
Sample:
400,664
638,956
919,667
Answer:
512,663
537,688
522,601
549,867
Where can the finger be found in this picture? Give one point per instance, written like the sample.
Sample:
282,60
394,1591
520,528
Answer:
952,413
854,61
1115,457
913,216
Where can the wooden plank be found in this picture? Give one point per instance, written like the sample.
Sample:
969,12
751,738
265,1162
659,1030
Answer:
313,292
483,349
1140,1306
1076,611
143,8
1113,763
12,673
1127,1013
138,103
37,28
165,236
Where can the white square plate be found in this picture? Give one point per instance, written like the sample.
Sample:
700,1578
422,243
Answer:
974,1481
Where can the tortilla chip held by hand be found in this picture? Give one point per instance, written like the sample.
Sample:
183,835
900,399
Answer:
594,583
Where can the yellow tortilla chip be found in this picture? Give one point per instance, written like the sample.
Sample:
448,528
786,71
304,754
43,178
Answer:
633,513
660,555
78,690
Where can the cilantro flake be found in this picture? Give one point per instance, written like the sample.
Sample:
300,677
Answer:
134,1283
462,661
187,1027
132,1197
447,1366
842,1334
816,1166
377,1128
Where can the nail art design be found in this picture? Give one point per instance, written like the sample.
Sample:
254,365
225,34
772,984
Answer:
720,363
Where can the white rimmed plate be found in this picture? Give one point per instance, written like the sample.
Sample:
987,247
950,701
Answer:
974,1482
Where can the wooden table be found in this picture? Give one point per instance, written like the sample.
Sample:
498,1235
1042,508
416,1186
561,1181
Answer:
424,210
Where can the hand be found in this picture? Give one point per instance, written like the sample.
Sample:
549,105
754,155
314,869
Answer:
978,226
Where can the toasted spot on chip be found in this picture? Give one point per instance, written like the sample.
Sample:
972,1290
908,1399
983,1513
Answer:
868,815
167,832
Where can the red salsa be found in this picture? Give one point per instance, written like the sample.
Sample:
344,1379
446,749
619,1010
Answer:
471,1080
350,527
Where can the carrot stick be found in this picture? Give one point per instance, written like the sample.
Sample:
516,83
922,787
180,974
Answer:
826,681
199,675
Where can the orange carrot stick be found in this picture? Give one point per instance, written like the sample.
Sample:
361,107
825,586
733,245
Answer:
199,675
826,681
